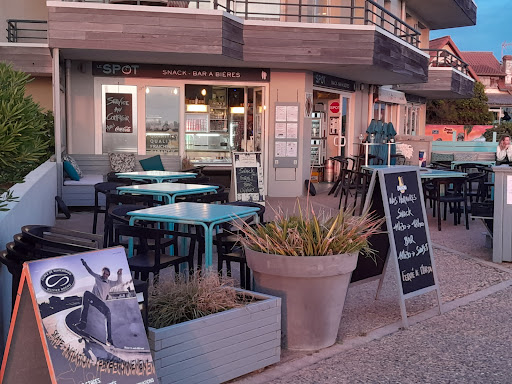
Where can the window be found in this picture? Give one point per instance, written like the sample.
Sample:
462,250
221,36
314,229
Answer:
162,119
410,122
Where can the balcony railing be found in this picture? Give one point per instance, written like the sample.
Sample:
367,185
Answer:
444,58
26,30
302,11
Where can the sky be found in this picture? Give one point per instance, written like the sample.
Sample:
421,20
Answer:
493,27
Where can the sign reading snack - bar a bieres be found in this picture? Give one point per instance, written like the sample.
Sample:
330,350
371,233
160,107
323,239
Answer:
163,71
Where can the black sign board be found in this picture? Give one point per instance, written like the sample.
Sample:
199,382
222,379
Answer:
118,113
333,82
247,180
397,195
409,229
371,267
163,71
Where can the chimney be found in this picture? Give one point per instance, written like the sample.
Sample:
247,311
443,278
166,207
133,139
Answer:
506,67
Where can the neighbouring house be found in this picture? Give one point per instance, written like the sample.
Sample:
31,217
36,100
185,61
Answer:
497,78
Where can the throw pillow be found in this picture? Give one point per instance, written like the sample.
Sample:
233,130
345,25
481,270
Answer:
73,163
70,170
152,164
122,162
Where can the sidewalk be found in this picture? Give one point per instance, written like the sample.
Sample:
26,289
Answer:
469,342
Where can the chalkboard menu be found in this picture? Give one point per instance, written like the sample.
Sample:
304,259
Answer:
248,176
396,194
118,115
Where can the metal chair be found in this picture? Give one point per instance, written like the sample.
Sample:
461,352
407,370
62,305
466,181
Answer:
152,259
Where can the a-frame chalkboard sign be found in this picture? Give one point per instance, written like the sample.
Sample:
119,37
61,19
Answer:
74,324
396,194
248,176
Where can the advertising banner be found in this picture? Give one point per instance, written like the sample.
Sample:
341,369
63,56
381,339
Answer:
88,315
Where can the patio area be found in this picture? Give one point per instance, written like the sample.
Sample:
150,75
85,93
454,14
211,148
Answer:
463,263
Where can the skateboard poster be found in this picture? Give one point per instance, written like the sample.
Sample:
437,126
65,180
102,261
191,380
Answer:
91,319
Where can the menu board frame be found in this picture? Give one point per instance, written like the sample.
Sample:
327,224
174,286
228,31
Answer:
387,195
286,135
253,161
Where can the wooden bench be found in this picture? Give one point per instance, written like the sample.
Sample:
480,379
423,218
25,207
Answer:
95,168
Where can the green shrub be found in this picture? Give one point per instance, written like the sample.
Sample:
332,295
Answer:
505,128
26,131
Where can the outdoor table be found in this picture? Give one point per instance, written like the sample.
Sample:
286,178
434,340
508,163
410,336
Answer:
425,173
167,190
487,163
206,215
156,176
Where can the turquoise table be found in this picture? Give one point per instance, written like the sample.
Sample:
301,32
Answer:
206,215
425,173
156,176
168,190
479,162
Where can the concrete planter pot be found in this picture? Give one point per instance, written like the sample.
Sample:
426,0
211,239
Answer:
313,291
219,347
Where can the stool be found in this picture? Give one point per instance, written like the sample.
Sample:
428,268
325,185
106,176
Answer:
105,188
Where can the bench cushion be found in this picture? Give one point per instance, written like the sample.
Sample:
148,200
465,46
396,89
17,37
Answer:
86,180
152,164
70,171
122,162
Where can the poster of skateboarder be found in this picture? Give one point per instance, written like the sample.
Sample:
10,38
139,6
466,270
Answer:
91,319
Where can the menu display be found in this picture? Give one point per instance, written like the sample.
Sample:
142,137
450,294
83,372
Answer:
248,176
407,218
118,117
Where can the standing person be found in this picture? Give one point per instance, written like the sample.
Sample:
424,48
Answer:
98,297
504,151
506,116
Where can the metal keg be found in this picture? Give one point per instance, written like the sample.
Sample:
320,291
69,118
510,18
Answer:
329,171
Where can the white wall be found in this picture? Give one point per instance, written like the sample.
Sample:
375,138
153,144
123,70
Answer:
36,205
290,87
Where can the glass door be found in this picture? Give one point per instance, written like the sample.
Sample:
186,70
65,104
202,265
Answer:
162,119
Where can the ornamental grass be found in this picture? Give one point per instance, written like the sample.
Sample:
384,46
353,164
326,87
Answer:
307,233
183,298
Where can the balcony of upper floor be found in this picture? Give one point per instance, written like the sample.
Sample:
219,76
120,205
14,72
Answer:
355,39
449,77
26,46
440,14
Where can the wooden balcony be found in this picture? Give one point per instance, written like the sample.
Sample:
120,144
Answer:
448,78
364,43
440,14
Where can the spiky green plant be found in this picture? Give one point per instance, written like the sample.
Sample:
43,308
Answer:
307,233
175,300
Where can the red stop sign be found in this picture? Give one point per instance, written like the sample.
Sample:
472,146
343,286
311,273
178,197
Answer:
334,107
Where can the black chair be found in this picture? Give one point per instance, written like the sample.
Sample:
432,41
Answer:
343,164
229,249
117,208
358,182
59,238
152,259
104,188
455,196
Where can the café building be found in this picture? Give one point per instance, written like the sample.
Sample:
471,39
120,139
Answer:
298,83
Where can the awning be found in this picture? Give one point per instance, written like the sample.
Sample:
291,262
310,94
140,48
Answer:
390,96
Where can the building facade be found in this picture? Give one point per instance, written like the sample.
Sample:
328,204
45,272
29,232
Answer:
202,79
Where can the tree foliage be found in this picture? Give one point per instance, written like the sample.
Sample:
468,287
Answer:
472,111
26,132
505,128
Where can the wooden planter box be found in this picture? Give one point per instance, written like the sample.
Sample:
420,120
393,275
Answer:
219,347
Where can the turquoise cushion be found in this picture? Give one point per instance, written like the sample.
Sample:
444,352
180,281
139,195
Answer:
152,164
71,171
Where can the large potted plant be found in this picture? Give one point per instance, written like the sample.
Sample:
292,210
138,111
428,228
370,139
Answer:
307,259
203,330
